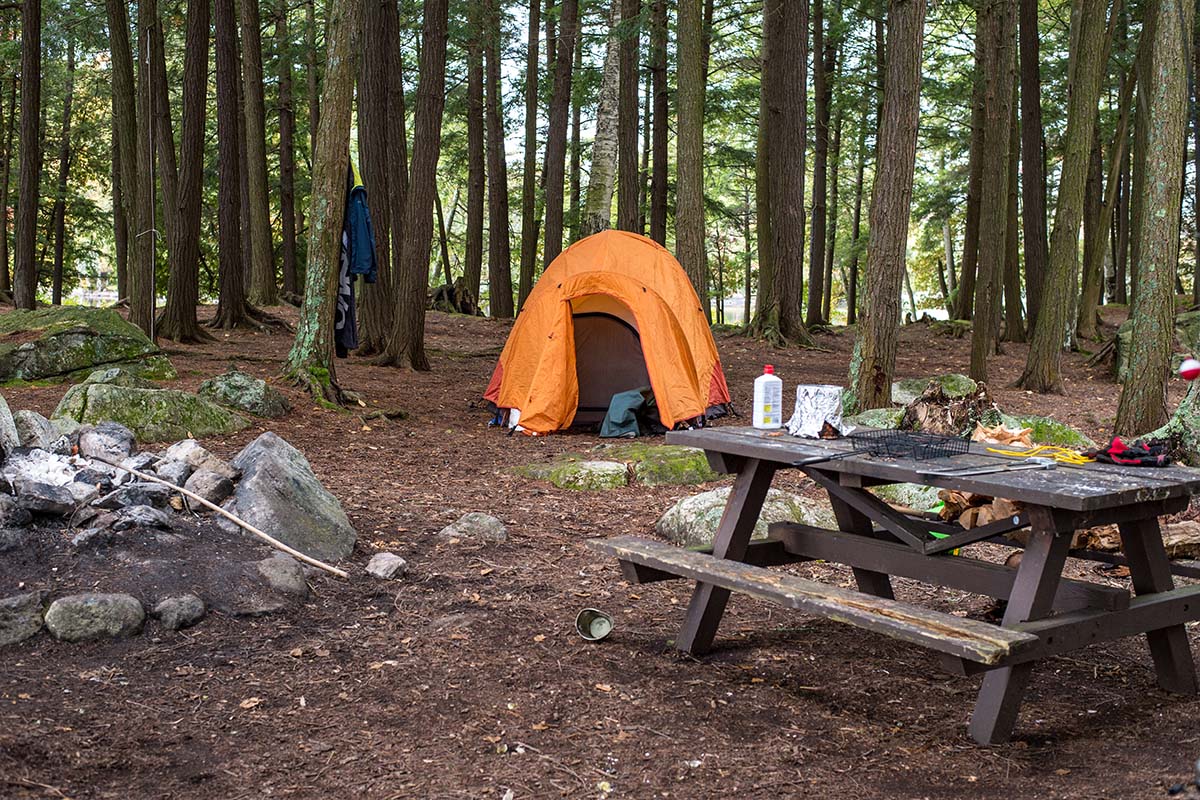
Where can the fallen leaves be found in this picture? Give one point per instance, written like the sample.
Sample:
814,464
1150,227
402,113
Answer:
250,702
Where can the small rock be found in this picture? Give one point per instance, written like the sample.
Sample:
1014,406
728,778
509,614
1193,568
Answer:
244,392
142,462
12,514
102,481
141,517
108,440
176,613
14,539
80,617
387,566
177,472
284,575
42,498
136,494
20,617
191,453
92,538
476,527
212,486
34,430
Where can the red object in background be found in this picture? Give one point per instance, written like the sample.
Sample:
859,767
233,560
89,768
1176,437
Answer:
1189,370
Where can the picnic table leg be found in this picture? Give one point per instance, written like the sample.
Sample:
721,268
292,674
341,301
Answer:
733,536
851,520
1032,598
1150,572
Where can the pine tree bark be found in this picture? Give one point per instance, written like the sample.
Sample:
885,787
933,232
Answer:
5,184
822,100
997,25
1093,244
58,215
476,157
407,345
689,156
835,154
662,117
1143,404
263,287
287,151
597,206
873,364
529,178
764,300
120,221
25,278
556,134
397,161
628,211
1141,132
499,246
856,219
310,362
178,320
313,75
1043,365
1033,162
970,251
1014,322
575,178
1122,254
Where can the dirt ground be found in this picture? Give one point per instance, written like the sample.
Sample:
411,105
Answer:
467,680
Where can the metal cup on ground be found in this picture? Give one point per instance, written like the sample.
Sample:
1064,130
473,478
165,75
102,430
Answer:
593,624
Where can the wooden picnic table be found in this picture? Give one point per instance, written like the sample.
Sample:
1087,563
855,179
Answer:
1045,614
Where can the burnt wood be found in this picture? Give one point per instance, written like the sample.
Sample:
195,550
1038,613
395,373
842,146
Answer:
956,572
964,638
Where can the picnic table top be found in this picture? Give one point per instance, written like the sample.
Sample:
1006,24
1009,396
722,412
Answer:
1089,487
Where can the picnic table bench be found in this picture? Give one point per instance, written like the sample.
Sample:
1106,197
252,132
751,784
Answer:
1046,614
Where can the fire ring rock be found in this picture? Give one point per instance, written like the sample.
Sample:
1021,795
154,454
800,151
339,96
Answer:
80,617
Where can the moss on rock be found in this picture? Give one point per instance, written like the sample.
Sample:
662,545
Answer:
661,465
909,495
888,418
1048,431
154,415
586,476
954,384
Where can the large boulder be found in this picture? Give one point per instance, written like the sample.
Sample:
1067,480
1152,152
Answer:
693,521
154,415
20,617
280,495
33,430
56,343
80,617
661,465
246,393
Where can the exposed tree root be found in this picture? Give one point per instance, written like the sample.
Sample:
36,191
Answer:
181,331
323,387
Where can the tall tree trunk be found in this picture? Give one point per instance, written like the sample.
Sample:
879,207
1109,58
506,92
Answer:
312,75
1143,404
856,219
310,362
575,176
628,211
874,362
689,158
1195,104
1122,255
1141,132
647,132
556,135
443,244
1014,322
178,320
232,309
822,100
975,166
529,222
835,154
397,162
597,206
764,306
662,116
120,221
263,288
499,247
5,185
59,215
1043,366
287,151
997,26
476,157
407,345
25,276
1033,162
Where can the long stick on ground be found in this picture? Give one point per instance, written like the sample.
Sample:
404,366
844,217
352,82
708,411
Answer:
271,540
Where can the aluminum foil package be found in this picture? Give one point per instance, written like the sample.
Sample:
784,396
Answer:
818,412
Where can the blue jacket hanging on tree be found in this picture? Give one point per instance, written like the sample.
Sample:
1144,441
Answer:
357,259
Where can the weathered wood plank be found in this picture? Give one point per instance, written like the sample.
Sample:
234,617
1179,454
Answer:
956,572
760,553
966,638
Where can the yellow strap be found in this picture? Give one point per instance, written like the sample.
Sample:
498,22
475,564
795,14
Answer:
1059,454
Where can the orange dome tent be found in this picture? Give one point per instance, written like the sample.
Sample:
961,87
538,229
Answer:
613,312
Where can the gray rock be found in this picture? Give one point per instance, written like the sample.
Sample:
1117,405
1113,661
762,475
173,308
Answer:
12,514
588,476
176,613
692,522
142,493
20,617
476,527
9,438
108,440
279,493
177,472
207,484
141,516
34,430
100,481
244,392
284,575
387,566
42,498
154,415
80,617
142,462
191,453
116,376
14,539
93,538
